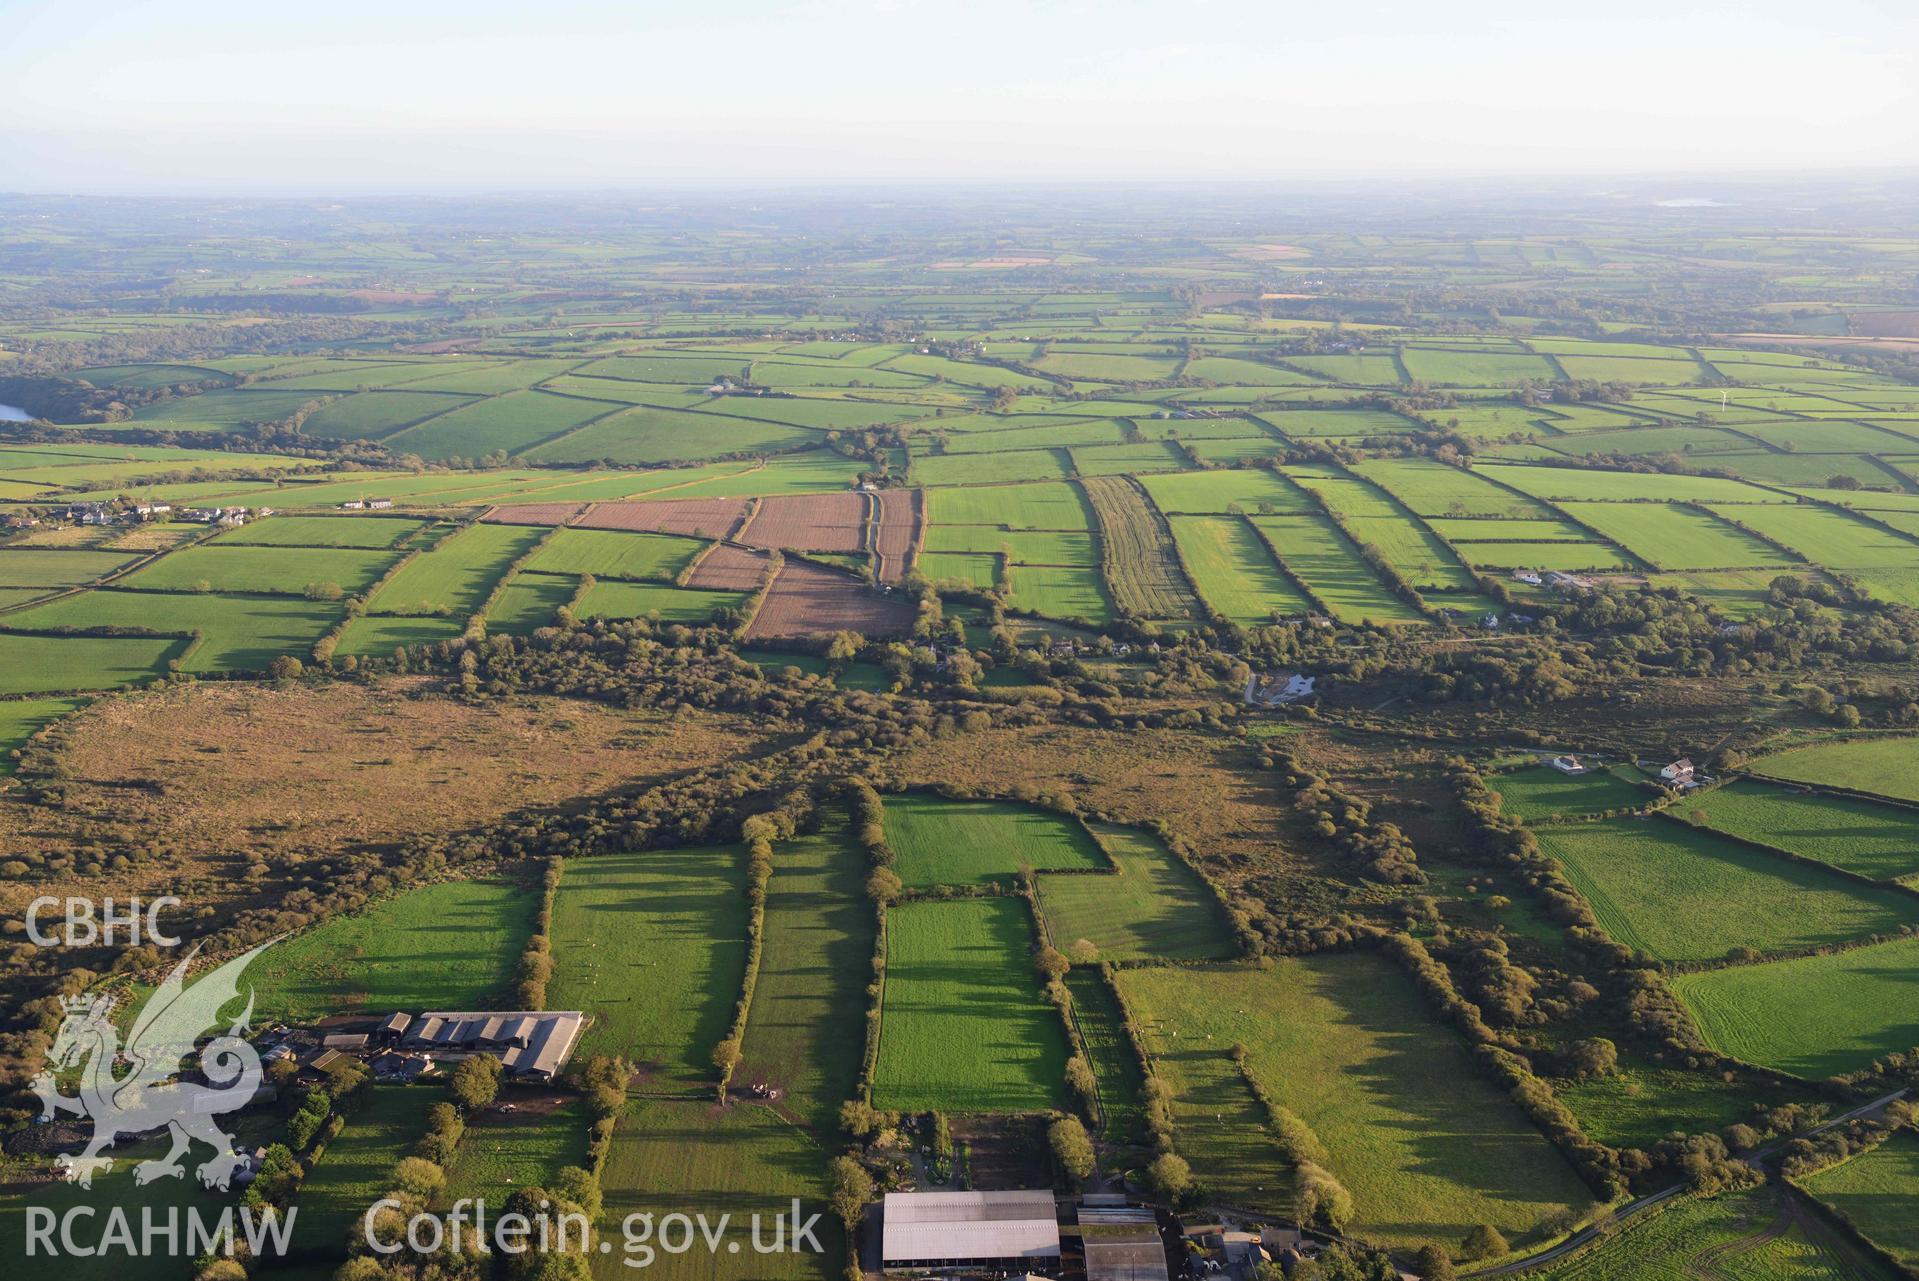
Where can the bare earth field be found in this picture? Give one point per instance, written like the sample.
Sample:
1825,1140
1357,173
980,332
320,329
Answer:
899,531
533,513
710,517
809,600
728,568
809,522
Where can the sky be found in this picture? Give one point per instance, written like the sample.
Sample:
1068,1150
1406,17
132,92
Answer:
263,98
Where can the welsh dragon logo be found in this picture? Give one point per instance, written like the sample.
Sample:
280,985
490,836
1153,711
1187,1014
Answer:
148,1096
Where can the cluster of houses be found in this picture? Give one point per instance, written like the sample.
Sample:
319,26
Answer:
1680,775
225,517
532,1045
367,505
103,514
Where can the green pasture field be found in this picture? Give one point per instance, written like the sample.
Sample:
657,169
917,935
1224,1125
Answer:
1747,1234
940,842
807,1029
1831,538
1427,1146
46,664
614,554
1738,592
1118,369
1645,371
150,377
988,468
807,473
1803,469
22,718
1341,424
1475,369
1877,1192
378,635
47,567
1060,591
1410,548
1127,460
502,1152
1344,496
652,945
1232,372
1223,490
449,946
278,570
528,603
458,574
1152,905
1540,792
1025,547
686,369
1879,841
1315,552
672,1156
1102,1030
824,413
1568,558
1577,484
1885,764
974,570
1677,538
490,379
1640,1102
1433,489
673,604
788,374
1041,506
373,414
1479,529
1370,369
1814,1016
221,410
376,532
238,633
1233,570
1086,433
647,435
1236,451
356,1168
509,423
964,1027
1683,894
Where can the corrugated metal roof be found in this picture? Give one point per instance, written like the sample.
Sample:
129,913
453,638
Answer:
969,1225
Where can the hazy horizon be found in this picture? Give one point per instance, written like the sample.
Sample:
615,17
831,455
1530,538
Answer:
128,98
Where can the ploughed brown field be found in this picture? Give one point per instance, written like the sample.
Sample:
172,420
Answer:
707,517
729,568
807,600
809,522
898,535
534,513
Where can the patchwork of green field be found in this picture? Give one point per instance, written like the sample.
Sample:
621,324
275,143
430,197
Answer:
226,409
1475,369
50,567
49,664
1874,840
1370,369
1430,488
959,567
615,600
450,946
1023,547
669,1155
236,633
378,635
502,1152
1664,888
1876,1193
1884,764
1127,460
990,468
357,1167
1411,549
1542,792
652,945
1671,537
963,1025
1750,1234
529,602
458,574
1233,371
276,570
1575,484
502,424
1566,557
1426,1145
807,1028
941,842
1060,591
1319,556
375,532
1042,506
1337,424
1481,529
1099,368
22,718
1087,433
649,435
614,554
374,414
1250,490
1814,1016
1644,371
1234,571
1640,1102
1153,905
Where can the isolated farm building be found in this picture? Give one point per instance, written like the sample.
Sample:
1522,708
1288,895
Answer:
1276,691
353,505
1679,773
530,1044
997,1231
1528,577
1567,765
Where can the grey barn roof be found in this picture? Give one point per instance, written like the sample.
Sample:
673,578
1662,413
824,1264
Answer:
969,1225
